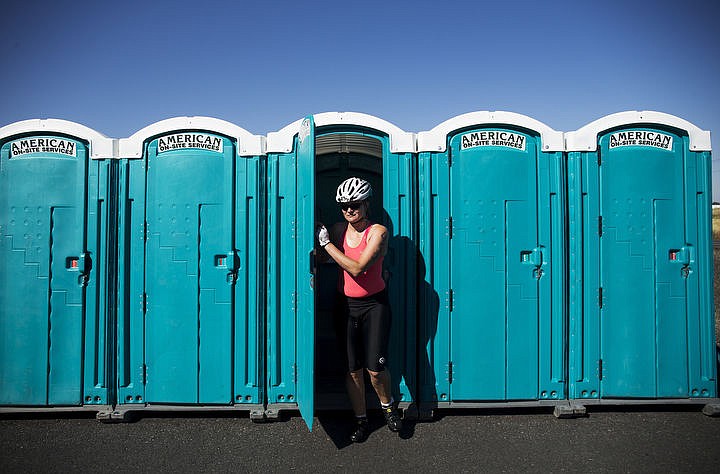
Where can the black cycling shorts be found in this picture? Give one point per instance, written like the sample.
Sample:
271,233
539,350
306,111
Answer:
367,331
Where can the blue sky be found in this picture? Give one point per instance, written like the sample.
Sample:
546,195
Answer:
119,66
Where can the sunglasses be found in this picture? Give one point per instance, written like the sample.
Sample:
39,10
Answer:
350,205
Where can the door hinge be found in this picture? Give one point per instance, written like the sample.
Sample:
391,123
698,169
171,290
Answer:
450,227
145,231
600,297
451,300
600,226
144,375
144,302
600,369
449,155
294,373
450,372
293,302
599,157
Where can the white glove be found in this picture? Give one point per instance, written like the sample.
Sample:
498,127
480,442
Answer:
323,236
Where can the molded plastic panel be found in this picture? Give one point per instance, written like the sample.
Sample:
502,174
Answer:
492,236
188,321
191,331
305,271
645,330
52,323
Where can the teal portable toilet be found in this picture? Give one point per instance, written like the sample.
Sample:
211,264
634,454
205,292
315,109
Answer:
641,268
190,331
54,329
306,162
492,263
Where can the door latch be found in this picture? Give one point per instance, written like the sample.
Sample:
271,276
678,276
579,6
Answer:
534,258
230,262
82,264
684,256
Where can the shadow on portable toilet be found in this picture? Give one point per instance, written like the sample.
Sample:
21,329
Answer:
190,332
641,306
306,162
54,329
491,219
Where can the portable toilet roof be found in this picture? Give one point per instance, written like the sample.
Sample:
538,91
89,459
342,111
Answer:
585,138
400,140
100,146
435,140
247,143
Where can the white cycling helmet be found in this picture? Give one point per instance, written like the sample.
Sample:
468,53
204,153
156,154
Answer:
353,189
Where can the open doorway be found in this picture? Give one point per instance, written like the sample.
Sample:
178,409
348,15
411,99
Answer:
338,156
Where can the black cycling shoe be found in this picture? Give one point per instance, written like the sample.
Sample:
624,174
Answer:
361,431
392,417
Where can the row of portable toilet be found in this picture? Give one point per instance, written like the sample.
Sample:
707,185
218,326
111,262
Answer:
175,269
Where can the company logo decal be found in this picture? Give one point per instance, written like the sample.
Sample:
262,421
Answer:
179,141
638,138
493,138
27,146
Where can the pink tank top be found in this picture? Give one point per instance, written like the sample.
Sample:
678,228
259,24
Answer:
367,283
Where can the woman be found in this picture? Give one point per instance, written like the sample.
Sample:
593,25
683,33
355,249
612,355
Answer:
358,246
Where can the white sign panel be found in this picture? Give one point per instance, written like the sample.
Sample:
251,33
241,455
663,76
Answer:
641,138
30,145
493,138
179,141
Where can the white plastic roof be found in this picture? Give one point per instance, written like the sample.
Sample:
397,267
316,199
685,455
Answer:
583,139
400,140
586,138
436,138
248,144
100,145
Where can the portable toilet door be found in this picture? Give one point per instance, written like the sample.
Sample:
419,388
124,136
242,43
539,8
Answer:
192,253
290,268
306,162
53,229
492,251
642,322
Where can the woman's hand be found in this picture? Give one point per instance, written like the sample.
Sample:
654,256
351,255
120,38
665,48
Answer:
322,234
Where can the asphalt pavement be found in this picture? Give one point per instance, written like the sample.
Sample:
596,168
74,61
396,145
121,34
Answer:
656,440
